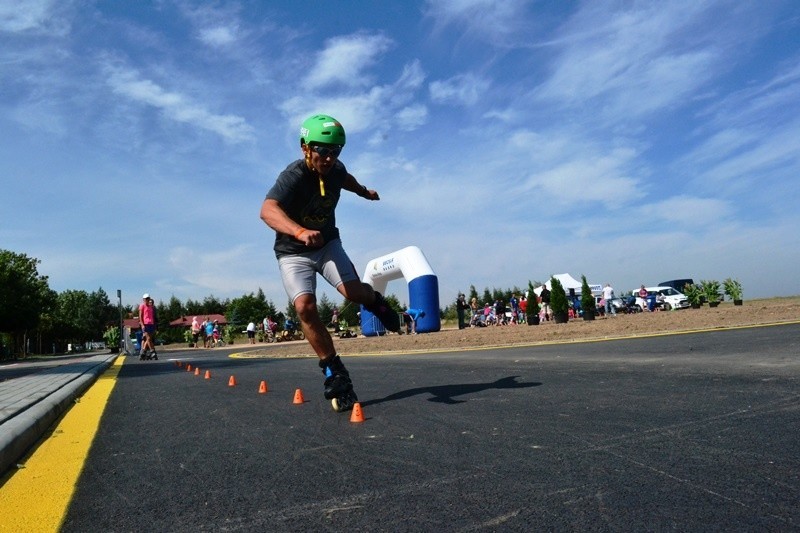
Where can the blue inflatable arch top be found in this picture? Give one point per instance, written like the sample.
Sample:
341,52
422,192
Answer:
423,288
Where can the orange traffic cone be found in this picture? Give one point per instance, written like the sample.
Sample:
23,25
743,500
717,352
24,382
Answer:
262,389
298,396
197,371
188,368
232,382
208,374
358,415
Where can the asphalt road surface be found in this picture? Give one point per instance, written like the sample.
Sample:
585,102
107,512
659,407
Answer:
686,432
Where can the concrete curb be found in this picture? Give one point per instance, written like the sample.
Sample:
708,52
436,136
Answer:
19,433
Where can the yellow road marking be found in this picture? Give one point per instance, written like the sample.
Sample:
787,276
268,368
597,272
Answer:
36,497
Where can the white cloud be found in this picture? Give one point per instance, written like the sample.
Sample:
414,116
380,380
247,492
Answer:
634,59
356,110
220,270
343,60
684,211
494,21
219,35
176,106
566,169
464,89
411,117
31,16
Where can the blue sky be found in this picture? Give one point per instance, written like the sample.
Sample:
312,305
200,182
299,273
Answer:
632,142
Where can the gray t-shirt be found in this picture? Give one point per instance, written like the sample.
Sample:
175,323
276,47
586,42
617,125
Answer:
299,194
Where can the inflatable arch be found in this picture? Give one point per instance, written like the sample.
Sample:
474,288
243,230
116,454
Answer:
423,288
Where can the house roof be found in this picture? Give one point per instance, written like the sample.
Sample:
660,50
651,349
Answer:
186,321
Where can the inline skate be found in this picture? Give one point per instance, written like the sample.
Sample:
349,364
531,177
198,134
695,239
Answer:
338,386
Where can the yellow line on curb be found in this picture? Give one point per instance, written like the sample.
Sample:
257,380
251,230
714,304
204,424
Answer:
245,355
36,497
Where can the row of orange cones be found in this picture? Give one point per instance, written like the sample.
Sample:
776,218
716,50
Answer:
356,416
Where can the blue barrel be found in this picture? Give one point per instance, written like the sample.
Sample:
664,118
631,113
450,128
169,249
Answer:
423,293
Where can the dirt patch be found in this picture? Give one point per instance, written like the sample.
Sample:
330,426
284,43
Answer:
753,312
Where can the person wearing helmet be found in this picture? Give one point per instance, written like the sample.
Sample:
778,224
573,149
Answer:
301,208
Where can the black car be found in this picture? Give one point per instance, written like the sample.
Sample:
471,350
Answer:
677,284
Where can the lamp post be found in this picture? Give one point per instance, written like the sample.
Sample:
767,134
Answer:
121,328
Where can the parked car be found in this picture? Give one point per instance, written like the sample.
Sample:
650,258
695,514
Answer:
665,297
677,284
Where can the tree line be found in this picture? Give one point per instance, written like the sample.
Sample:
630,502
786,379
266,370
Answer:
36,319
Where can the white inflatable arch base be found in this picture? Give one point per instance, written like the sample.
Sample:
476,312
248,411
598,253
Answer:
423,288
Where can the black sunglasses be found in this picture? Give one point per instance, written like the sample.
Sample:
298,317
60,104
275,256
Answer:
327,151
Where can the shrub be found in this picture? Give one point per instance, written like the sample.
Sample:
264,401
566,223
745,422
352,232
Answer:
558,297
587,298
711,290
532,311
733,289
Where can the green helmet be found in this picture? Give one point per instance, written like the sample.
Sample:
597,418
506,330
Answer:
322,129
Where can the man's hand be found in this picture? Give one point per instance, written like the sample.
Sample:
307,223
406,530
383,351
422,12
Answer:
370,194
311,238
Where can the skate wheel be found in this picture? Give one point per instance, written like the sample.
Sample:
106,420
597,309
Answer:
344,403
341,405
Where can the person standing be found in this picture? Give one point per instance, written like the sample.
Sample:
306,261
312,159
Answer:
251,332
147,320
645,299
300,207
608,296
335,319
270,328
208,327
545,296
195,331
461,308
514,303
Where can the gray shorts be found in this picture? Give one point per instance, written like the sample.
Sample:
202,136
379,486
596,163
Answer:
299,272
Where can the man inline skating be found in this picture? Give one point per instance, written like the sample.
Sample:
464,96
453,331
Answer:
300,207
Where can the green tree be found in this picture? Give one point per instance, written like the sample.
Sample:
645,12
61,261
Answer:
588,305
102,313
174,310
212,306
73,317
558,298
291,313
473,293
349,313
248,308
487,297
325,308
24,296
194,308
532,311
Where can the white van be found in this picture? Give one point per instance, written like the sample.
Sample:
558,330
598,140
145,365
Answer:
671,298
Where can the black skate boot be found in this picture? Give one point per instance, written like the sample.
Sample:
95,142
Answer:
338,387
381,309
